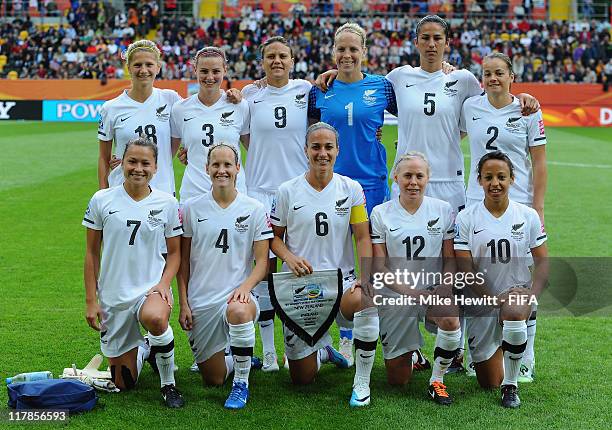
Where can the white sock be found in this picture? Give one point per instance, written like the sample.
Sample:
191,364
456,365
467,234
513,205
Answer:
229,365
514,342
322,356
266,319
365,332
447,343
143,353
529,356
242,341
162,347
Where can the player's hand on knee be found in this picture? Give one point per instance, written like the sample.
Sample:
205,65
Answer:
185,317
233,95
325,80
182,155
92,315
529,104
447,68
114,162
242,294
164,293
299,266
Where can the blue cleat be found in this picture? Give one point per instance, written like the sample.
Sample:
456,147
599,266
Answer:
335,357
360,396
238,397
256,363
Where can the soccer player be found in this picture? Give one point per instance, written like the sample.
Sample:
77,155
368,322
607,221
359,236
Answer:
414,232
143,110
207,118
275,154
129,285
494,239
225,230
313,216
494,122
354,104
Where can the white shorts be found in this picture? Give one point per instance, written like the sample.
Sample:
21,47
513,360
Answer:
484,336
210,331
451,192
296,348
120,328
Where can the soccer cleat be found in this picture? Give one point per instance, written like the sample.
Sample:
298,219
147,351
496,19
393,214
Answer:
270,363
470,370
419,361
526,373
238,397
438,393
256,363
335,357
194,367
172,397
510,398
456,365
345,347
360,395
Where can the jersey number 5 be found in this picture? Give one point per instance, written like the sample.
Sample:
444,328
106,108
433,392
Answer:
429,103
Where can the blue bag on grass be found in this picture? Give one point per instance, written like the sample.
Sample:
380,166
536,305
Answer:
67,394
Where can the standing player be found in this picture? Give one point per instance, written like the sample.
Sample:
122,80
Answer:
129,285
276,152
494,122
224,232
354,105
414,232
495,238
313,216
207,118
143,110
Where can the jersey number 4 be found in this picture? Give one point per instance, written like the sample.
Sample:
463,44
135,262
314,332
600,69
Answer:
221,242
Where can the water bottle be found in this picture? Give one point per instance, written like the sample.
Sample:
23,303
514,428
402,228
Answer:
31,376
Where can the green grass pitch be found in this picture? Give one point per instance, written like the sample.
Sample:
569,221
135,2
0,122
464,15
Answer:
48,174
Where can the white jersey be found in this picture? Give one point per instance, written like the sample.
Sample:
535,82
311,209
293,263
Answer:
318,222
199,127
500,246
221,245
429,108
123,119
134,234
490,129
414,241
279,120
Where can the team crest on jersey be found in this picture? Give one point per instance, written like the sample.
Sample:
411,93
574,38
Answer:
433,228
517,232
152,218
449,88
301,101
369,98
340,210
161,113
240,224
513,124
226,118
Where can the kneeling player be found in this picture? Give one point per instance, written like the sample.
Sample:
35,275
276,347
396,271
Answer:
313,216
494,239
133,287
224,231
414,233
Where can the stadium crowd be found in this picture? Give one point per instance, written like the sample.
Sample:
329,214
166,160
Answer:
88,45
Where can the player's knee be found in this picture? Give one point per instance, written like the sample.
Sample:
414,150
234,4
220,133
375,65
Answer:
213,380
398,380
238,313
512,313
156,324
448,323
303,378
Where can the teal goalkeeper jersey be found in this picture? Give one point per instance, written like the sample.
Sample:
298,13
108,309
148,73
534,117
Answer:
356,110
